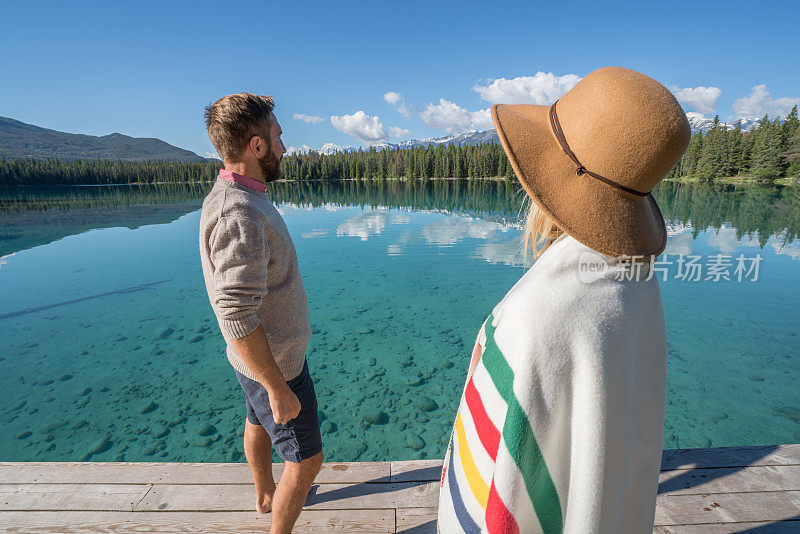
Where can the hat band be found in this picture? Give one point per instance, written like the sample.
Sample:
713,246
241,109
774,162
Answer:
581,169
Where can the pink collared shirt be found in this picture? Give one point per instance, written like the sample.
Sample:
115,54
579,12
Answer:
243,180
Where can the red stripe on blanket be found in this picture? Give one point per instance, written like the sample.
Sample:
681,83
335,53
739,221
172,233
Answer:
498,519
487,432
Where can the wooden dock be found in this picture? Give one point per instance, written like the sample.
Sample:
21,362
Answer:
708,491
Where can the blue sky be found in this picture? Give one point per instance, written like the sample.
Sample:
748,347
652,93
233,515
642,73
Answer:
147,69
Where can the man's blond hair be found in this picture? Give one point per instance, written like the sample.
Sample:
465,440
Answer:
233,120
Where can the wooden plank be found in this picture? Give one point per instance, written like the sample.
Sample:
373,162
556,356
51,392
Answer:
416,470
730,479
123,497
416,520
771,527
731,457
316,521
240,497
175,473
726,508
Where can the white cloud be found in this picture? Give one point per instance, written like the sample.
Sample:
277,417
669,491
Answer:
361,126
314,233
364,225
447,232
680,244
703,99
727,242
541,88
397,101
759,103
308,119
392,98
507,252
297,150
452,118
394,131
791,250
213,155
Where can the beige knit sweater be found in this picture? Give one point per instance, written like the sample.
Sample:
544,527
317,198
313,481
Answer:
252,275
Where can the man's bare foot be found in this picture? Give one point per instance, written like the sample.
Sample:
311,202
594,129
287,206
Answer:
264,504
264,500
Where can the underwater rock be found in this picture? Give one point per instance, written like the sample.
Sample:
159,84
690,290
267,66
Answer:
52,427
415,442
415,380
148,408
149,451
376,417
80,424
207,429
371,362
328,427
160,432
426,404
101,445
165,333
789,412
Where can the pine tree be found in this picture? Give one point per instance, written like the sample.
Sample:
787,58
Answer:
766,157
709,164
792,155
692,154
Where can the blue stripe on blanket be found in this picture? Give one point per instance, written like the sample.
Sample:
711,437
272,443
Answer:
467,523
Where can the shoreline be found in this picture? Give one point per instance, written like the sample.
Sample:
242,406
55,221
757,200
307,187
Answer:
736,180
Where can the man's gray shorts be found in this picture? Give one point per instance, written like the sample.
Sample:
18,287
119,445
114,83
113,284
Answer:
298,439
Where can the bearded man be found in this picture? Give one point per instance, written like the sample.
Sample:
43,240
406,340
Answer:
253,282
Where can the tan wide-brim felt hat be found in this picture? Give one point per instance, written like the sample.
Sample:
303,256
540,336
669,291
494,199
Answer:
621,126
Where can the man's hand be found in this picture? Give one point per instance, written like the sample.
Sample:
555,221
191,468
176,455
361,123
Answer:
256,354
284,404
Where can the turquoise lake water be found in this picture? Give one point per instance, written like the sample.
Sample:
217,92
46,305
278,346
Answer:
111,352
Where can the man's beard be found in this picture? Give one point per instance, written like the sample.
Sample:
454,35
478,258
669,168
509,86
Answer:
270,167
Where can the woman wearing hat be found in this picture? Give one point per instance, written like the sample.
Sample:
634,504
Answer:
560,424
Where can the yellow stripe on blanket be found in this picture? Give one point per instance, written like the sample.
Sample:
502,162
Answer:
476,483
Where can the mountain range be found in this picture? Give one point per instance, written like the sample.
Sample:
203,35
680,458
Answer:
468,138
22,140
697,121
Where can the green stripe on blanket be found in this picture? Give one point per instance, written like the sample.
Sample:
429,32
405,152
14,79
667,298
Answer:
520,441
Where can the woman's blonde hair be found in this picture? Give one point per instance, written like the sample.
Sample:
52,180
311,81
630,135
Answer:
539,231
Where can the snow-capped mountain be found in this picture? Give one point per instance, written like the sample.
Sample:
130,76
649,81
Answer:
468,138
701,123
333,148
698,122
